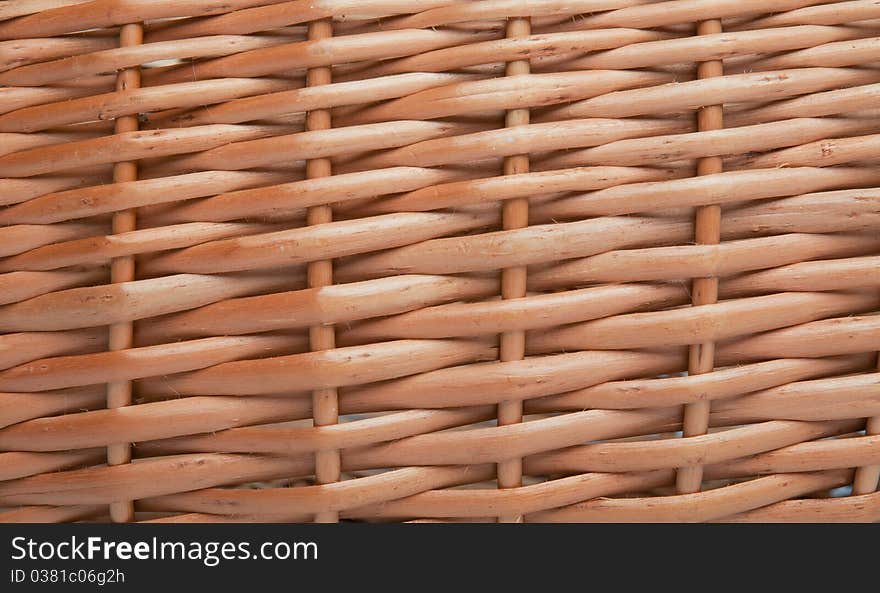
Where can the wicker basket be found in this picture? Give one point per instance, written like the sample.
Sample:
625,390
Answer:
439,260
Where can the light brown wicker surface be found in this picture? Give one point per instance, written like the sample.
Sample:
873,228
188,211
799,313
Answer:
406,260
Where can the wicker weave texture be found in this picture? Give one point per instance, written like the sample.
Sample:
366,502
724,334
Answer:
439,260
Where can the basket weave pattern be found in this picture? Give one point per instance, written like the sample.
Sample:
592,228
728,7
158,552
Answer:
439,260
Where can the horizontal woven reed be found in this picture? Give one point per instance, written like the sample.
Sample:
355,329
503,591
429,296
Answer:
439,260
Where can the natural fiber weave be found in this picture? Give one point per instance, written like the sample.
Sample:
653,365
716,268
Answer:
408,260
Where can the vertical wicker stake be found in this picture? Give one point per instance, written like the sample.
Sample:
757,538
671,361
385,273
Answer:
867,476
514,215
707,230
122,269
325,408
